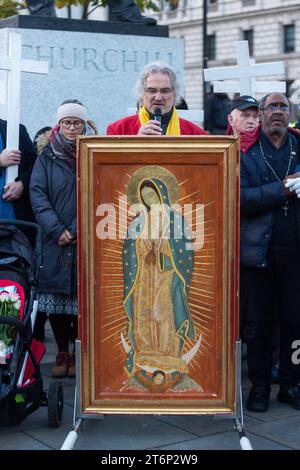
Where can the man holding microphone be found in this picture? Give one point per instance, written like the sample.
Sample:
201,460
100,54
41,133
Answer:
157,93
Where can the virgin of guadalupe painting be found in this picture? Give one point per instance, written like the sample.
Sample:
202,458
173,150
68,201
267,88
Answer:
158,274
158,262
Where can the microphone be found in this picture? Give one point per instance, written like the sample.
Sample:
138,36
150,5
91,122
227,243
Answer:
157,115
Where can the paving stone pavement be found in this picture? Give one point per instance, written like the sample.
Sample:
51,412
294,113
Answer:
277,429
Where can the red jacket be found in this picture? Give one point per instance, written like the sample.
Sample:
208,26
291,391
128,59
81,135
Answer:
248,139
130,125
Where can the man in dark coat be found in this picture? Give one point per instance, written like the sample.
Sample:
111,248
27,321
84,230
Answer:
216,109
15,202
270,254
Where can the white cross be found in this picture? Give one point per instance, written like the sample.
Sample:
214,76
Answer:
246,72
2,92
295,96
14,64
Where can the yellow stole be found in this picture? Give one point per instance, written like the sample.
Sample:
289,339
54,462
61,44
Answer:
173,126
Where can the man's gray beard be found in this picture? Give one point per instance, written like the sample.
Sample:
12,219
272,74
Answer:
280,131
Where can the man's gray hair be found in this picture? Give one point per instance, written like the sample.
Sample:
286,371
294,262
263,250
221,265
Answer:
156,67
264,99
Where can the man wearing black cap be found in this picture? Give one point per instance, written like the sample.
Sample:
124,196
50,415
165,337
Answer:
270,254
244,115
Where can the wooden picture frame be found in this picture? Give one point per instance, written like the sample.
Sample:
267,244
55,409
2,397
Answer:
158,314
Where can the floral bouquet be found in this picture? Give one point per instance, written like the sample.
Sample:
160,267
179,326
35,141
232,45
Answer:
10,305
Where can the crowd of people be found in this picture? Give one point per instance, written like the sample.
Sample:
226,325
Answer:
45,191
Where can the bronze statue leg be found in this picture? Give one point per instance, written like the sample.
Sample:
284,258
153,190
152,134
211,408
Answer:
119,10
41,7
127,11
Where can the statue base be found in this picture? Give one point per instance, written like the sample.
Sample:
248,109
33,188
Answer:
87,26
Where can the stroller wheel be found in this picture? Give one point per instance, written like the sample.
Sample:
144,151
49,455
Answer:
55,404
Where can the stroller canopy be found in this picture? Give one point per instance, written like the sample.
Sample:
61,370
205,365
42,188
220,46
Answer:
13,242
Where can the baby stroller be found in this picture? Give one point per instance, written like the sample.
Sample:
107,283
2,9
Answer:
21,385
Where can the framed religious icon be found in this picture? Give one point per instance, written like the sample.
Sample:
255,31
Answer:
158,274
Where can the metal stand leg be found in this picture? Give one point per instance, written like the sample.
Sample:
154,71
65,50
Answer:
244,441
71,438
78,417
239,419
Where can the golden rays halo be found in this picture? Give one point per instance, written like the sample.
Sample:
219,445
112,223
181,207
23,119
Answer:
152,171
202,306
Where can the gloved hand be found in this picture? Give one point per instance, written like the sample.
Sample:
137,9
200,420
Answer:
293,185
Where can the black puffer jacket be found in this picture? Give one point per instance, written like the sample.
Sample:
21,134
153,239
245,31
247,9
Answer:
259,196
216,110
53,199
22,205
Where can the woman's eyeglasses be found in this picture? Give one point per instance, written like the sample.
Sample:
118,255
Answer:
76,124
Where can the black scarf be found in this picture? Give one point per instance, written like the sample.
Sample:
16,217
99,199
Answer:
63,148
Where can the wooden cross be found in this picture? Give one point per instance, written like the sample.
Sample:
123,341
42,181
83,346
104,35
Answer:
246,72
14,64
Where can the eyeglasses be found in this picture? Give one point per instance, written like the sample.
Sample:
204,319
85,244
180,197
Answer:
273,106
155,91
76,124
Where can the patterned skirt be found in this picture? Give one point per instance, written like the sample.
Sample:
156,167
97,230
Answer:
58,304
